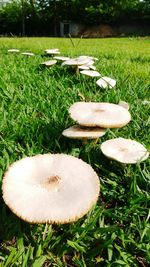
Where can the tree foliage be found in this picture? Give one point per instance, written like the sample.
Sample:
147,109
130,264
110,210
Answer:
40,17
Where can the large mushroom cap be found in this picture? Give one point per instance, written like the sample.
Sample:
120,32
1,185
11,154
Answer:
79,132
105,115
124,150
50,188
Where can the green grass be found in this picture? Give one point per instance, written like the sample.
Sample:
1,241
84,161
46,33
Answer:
34,106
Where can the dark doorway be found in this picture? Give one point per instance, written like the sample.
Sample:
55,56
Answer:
66,28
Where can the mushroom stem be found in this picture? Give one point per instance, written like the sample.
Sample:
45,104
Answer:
95,141
84,141
77,70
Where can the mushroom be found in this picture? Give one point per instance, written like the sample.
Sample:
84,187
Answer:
124,104
92,67
61,58
13,50
50,188
88,66
76,62
102,114
49,63
145,102
91,73
83,67
54,51
80,132
27,54
124,150
105,82
89,57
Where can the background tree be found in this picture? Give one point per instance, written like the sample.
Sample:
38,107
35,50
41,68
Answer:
42,17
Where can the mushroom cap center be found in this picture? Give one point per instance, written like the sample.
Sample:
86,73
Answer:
51,183
123,149
99,110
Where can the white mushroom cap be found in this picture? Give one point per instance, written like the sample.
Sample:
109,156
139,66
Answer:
105,115
90,63
27,54
91,73
92,67
76,61
124,150
79,132
61,58
89,57
52,51
87,66
50,188
105,82
49,63
145,102
83,67
124,104
14,50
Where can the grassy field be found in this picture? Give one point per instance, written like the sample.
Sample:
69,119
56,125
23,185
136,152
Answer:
34,106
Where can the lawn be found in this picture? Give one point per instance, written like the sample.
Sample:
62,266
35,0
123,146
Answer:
34,104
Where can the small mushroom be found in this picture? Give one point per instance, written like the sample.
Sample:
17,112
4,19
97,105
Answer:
145,102
105,115
92,67
81,132
27,54
124,150
61,58
13,50
89,57
105,82
50,188
83,67
54,51
90,73
76,62
49,63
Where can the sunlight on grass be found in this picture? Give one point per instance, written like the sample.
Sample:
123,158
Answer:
34,112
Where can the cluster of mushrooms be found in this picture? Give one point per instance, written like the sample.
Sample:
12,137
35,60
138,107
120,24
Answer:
93,120
59,188
81,64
